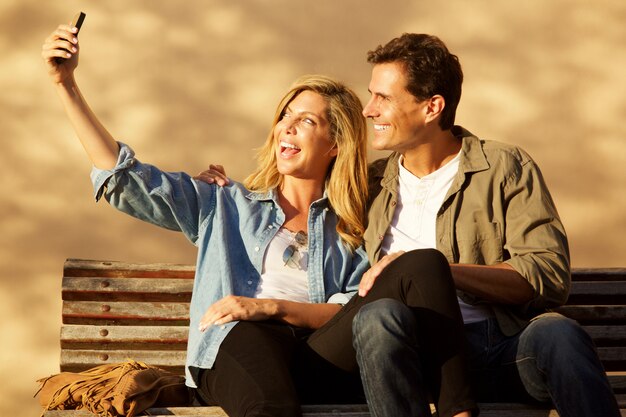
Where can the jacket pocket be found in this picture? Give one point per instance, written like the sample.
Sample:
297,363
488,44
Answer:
479,243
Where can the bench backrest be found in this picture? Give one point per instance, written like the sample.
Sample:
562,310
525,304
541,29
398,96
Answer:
114,310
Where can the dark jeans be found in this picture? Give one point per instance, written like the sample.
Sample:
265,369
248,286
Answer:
552,359
413,352
269,369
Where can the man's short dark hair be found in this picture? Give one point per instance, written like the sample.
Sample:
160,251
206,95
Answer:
430,69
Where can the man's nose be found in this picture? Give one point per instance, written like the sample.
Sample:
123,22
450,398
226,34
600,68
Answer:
370,109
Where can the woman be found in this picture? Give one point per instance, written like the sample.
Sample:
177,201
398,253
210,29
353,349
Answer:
277,255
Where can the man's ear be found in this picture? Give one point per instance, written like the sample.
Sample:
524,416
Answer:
435,106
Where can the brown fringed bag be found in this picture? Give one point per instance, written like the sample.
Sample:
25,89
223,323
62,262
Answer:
123,389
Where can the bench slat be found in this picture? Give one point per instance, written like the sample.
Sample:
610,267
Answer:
129,312
124,337
486,409
145,313
607,335
595,314
116,269
78,360
174,360
126,289
74,334
598,292
598,274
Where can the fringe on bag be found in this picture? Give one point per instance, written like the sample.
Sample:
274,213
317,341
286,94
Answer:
122,389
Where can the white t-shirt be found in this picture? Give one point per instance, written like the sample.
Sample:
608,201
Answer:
280,280
414,221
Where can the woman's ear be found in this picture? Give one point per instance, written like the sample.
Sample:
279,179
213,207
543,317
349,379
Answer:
333,151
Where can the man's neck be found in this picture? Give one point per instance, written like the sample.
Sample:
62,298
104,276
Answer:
432,154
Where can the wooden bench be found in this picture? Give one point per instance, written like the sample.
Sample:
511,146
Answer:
113,311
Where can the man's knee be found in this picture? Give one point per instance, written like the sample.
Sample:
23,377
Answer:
553,329
382,318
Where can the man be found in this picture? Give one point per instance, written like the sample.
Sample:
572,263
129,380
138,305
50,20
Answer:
485,206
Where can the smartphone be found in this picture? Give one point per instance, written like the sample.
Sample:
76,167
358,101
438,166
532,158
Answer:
78,20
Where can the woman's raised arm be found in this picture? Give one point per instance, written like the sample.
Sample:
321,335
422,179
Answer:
60,54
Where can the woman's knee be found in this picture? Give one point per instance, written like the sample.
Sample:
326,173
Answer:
424,266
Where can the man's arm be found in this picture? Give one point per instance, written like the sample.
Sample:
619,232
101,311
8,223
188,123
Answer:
495,283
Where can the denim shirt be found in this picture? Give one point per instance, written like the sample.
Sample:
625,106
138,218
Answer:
232,227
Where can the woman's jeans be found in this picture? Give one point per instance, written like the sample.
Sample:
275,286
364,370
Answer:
552,360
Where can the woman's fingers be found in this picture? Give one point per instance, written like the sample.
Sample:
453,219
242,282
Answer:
370,277
59,49
60,52
62,38
215,174
220,312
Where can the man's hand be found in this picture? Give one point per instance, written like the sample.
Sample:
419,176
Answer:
368,278
231,308
215,174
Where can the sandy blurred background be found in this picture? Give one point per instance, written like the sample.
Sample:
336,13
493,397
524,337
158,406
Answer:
188,83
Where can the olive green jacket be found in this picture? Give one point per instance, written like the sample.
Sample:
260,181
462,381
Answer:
498,209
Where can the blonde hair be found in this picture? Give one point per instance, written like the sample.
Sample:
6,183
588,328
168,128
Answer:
346,180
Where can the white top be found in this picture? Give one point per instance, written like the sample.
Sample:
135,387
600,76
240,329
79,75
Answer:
415,218
280,280
419,200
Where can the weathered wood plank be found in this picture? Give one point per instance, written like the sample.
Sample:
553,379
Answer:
124,337
74,334
486,409
84,312
613,358
599,288
77,312
78,360
598,274
86,267
618,382
607,335
126,289
598,292
595,314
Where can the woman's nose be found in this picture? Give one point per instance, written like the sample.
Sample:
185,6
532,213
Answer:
290,126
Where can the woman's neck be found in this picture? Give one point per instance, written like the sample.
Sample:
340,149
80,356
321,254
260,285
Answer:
295,198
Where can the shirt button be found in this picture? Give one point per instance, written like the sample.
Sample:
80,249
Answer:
249,282
393,203
222,326
381,237
256,248
270,226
